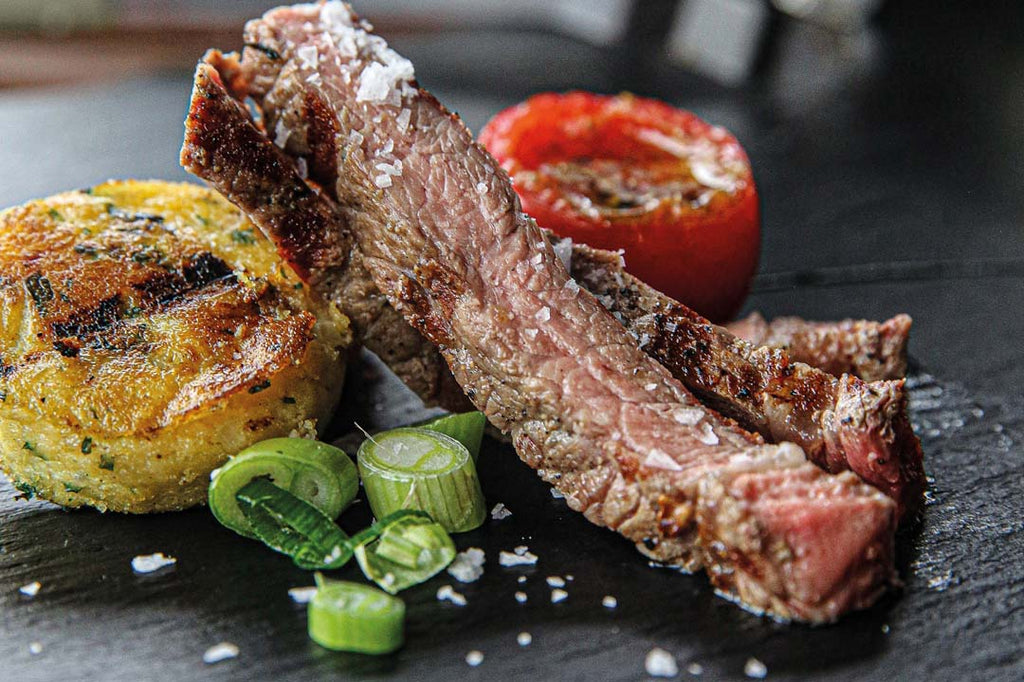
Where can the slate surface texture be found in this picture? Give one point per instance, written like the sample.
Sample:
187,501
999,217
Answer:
890,172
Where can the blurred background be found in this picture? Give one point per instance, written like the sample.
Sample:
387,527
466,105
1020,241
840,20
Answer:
886,136
61,41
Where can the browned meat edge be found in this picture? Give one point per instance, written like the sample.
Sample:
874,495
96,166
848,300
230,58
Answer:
306,228
870,350
608,426
840,422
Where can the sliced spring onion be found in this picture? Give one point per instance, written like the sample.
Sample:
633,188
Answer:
409,551
416,468
315,472
291,526
467,428
347,616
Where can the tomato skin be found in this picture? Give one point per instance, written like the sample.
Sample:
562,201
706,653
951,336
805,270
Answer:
702,253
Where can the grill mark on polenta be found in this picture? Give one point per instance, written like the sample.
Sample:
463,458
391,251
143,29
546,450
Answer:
161,287
100,326
85,322
203,268
40,290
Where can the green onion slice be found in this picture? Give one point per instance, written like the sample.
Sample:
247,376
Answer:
347,616
315,472
467,428
410,550
416,468
291,526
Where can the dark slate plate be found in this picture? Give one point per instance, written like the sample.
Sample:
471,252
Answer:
959,616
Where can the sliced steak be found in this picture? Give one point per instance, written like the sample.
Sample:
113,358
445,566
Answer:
309,230
870,350
441,233
755,387
840,422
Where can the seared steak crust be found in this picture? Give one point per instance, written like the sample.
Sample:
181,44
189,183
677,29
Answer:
309,231
442,235
840,422
870,350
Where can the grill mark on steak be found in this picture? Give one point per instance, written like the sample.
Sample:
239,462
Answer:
870,350
840,422
549,364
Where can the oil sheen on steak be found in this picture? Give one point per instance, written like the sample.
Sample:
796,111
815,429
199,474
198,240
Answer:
440,231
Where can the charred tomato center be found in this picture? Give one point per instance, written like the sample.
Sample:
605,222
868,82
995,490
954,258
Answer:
660,171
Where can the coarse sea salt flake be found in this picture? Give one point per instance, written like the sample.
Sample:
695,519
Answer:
468,566
302,595
755,669
544,314
383,181
510,559
695,669
379,80
609,602
309,56
335,15
558,596
481,187
530,333
563,249
446,593
500,512
474,658
524,639
557,494
281,134
148,563
688,416
521,597
660,663
389,168
31,589
220,652
35,648
374,84
403,119
651,386
659,459
707,435
555,581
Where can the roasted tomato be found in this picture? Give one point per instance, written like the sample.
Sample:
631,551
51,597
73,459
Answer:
625,172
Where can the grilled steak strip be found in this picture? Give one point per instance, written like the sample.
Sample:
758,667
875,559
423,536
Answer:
309,230
840,422
870,350
444,238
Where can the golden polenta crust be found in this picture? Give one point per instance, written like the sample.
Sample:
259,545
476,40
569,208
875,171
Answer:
149,331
